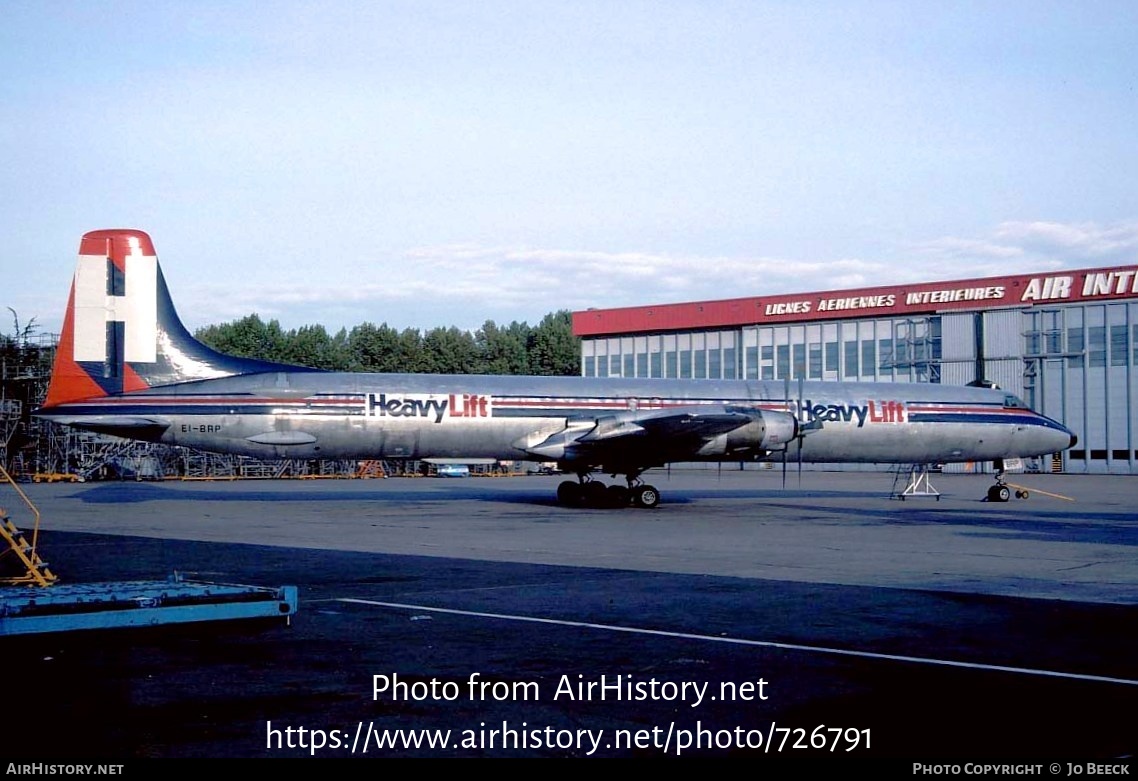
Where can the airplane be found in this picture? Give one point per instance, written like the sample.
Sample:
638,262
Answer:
127,366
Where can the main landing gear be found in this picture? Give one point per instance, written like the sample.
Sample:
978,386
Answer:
593,493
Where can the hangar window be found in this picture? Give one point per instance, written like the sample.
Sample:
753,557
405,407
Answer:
1053,343
1044,334
751,363
1075,346
815,361
752,354
1118,346
919,353
1096,346
868,356
1032,343
885,354
729,369
831,356
851,371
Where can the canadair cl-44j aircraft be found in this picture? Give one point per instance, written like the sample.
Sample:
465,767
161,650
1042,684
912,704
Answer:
127,366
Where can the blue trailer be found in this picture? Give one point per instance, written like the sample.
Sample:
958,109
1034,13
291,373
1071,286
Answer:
69,607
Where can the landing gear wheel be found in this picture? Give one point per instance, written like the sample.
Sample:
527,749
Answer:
595,494
619,496
999,493
1022,494
569,494
646,496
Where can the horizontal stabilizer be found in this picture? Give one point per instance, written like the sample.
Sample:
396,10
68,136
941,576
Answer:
119,425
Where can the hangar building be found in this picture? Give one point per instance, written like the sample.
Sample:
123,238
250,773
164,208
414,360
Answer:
1065,342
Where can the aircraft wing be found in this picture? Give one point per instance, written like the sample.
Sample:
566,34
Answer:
691,423
652,437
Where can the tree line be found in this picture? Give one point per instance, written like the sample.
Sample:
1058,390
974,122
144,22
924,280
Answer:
548,348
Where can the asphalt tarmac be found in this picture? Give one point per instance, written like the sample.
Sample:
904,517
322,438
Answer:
476,617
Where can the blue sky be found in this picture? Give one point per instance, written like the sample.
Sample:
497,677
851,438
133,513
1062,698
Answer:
444,163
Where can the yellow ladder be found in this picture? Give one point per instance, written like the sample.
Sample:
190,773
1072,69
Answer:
35,570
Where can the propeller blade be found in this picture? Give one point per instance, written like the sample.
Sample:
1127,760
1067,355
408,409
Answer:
786,447
800,462
800,435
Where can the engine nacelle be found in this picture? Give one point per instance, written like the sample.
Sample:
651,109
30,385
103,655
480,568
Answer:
768,431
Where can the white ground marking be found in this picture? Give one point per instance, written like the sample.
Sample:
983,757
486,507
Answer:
755,643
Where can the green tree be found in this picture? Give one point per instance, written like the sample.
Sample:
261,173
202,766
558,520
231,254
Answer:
373,348
248,337
310,345
503,350
549,348
410,354
553,349
450,351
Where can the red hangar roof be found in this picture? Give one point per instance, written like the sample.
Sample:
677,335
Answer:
925,298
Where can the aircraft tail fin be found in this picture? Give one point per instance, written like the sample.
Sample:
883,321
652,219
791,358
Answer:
121,332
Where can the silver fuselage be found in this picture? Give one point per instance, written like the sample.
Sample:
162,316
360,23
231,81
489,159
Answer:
372,416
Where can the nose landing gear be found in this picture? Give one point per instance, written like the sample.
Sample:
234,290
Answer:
1002,491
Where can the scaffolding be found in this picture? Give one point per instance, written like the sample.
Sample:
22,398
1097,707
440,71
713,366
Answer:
11,410
915,348
25,371
200,465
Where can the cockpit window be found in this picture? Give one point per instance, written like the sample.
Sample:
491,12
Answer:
1012,402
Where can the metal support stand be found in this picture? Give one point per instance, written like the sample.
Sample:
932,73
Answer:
918,483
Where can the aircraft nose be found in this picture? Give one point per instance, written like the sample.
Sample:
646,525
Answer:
1058,436
1069,438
